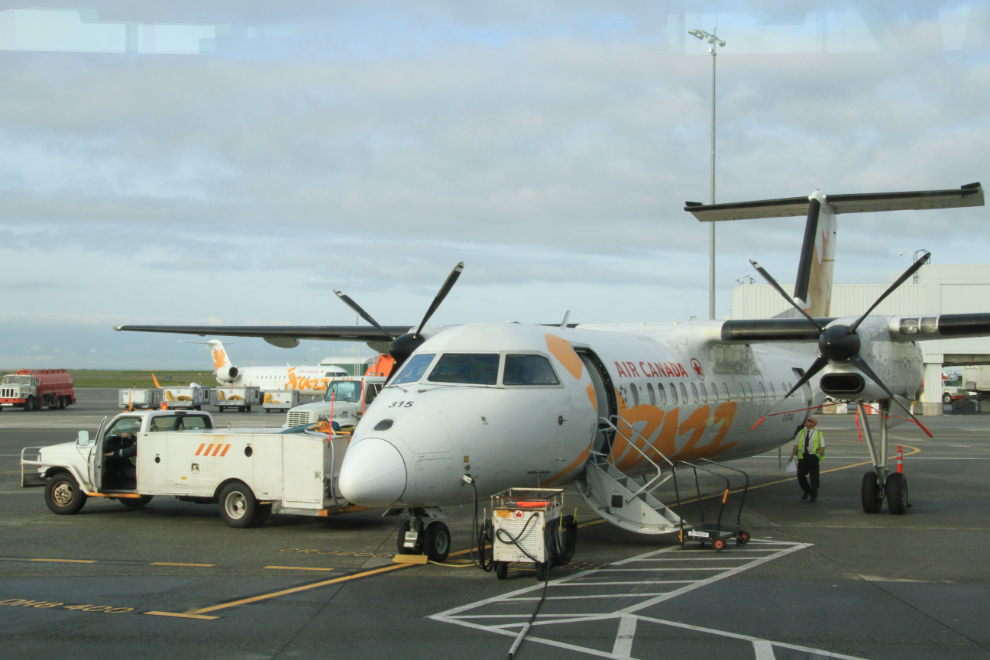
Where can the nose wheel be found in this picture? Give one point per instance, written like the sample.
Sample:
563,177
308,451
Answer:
418,538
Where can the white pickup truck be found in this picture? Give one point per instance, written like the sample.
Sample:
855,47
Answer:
248,474
344,402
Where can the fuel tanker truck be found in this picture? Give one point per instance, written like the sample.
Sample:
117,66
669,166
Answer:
31,389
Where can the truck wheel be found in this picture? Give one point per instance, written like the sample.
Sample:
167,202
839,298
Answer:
248,408
198,407
240,408
29,403
220,408
237,505
946,397
61,402
63,495
135,503
437,541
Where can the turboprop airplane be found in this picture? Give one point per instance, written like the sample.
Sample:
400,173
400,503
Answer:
497,405
308,380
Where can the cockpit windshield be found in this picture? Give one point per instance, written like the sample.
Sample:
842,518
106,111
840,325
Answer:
528,370
466,368
413,369
343,390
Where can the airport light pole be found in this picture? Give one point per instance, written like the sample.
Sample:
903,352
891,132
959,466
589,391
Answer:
714,44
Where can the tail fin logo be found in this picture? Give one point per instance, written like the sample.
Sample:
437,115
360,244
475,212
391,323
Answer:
219,358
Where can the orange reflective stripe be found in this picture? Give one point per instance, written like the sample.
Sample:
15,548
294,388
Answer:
200,449
225,448
217,450
208,449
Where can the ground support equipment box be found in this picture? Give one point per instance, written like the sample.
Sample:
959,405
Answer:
280,400
189,397
241,398
521,518
140,398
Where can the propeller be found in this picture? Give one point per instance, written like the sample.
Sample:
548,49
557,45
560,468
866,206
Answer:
403,346
840,344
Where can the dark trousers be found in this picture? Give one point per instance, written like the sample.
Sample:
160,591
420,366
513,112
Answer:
808,468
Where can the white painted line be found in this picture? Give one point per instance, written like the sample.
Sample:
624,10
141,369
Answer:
645,570
612,596
764,650
609,584
624,638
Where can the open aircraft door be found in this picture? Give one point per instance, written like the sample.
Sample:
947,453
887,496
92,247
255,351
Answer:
608,408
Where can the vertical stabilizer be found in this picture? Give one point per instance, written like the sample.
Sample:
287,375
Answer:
218,354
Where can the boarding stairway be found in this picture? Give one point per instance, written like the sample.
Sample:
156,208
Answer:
615,496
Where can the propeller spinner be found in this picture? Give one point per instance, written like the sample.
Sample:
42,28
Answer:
839,343
403,346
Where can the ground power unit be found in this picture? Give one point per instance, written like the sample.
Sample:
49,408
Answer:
525,524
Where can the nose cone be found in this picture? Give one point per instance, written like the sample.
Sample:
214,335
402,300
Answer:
373,473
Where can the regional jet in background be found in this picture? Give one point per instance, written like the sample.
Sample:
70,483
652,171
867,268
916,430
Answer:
474,409
307,380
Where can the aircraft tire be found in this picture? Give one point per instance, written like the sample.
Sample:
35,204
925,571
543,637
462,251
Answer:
501,569
237,505
437,541
897,494
63,495
872,496
135,503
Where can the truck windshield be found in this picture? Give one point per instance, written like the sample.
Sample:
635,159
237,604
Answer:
179,423
344,390
466,368
16,380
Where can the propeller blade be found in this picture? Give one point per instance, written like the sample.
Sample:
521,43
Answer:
900,280
444,290
865,368
816,366
772,282
363,314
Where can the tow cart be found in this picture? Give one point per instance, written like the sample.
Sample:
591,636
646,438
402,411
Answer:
715,533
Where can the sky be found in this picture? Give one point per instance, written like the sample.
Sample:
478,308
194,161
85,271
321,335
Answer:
235,162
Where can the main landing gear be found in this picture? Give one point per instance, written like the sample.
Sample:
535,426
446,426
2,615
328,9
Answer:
879,484
416,537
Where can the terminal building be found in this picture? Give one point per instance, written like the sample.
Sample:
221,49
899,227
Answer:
934,290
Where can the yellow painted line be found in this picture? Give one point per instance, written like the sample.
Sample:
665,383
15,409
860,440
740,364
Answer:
183,616
169,563
294,590
298,568
67,561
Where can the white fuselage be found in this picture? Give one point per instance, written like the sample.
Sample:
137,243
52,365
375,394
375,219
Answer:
686,392
307,380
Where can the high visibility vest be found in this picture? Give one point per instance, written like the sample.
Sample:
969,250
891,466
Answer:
814,445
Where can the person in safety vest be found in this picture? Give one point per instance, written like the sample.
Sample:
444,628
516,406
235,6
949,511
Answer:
809,447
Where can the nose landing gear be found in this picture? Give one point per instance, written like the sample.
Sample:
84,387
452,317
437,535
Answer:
418,538
879,483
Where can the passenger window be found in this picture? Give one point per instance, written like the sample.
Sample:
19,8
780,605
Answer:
662,393
193,423
694,393
714,393
742,392
704,392
528,370
749,392
635,393
684,397
725,391
786,388
763,392
773,393
414,369
466,369
673,394
653,396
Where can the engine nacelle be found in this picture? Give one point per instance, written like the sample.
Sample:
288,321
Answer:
898,364
227,374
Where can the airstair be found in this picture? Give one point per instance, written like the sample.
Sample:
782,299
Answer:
616,496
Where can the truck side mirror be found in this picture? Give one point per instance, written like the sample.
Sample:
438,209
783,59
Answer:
83,438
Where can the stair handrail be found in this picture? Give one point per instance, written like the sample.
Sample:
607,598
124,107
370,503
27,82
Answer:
649,486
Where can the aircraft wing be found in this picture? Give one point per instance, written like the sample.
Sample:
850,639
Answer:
278,334
969,195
